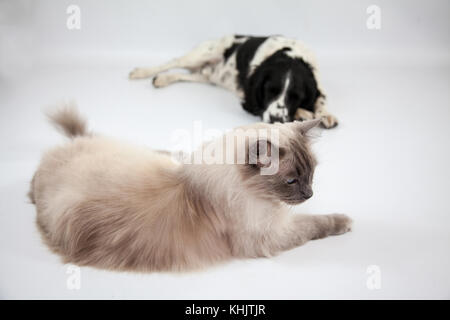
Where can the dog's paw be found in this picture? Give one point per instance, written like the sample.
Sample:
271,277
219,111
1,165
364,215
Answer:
341,223
302,115
161,80
138,73
329,121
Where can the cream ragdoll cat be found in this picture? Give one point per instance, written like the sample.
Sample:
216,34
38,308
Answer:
108,204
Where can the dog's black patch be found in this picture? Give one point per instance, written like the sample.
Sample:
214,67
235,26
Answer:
265,84
244,55
230,50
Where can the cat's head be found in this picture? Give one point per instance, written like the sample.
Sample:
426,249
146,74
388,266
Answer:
289,154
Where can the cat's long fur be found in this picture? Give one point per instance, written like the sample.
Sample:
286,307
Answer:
112,205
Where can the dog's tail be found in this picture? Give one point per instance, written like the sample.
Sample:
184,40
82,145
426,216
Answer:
68,120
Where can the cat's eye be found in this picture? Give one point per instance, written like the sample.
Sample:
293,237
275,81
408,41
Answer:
291,181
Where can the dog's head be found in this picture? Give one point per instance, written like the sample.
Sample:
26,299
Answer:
280,86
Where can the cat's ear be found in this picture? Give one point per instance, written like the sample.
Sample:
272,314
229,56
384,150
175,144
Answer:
260,153
304,126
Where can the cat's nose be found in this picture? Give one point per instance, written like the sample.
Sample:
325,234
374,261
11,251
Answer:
308,194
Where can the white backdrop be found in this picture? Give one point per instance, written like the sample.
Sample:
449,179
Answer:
120,28
386,165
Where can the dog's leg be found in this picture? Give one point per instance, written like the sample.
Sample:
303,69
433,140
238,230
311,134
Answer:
165,79
208,52
149,72
320,111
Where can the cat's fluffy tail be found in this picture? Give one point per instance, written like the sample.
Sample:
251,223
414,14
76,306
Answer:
68,120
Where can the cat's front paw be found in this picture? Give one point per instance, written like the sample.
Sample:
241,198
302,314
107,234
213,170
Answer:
341,223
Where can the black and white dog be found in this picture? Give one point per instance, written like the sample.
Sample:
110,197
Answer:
275,77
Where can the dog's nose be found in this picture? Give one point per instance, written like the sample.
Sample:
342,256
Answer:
280,106
274,119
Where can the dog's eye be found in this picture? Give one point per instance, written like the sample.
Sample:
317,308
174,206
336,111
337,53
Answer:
291,181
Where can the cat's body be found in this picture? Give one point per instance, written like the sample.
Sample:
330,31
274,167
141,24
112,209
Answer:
107,204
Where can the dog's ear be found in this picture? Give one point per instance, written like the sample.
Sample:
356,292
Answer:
254,92
310,91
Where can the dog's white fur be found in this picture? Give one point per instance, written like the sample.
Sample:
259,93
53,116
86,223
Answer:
277,108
